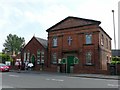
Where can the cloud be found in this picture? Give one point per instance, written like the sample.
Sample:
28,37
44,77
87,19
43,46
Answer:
26,17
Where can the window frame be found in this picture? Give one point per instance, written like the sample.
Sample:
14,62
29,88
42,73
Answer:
28,55
55,41
42,56
53,57
88,38
88,58
25,56
102,40
38,56
107,43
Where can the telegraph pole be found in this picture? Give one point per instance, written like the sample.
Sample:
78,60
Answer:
114,36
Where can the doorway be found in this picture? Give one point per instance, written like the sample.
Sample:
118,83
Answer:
69,64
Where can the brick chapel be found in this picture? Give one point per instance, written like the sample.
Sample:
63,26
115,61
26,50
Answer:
36,52
81,39
75,45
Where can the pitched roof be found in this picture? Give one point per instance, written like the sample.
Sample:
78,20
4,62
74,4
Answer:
105,32
71,22
42,41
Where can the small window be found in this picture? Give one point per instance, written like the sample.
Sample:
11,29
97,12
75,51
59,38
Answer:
28,56
24,56
54,58
42,57
88,38
110,45
106,43
38,54
55,42
88,58
102,40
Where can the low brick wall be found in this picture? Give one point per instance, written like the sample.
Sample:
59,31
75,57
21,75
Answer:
118,69
112,69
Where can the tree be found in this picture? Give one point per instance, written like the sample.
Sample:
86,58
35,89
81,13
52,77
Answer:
5,57
13,43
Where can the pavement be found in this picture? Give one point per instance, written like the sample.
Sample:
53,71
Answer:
99,76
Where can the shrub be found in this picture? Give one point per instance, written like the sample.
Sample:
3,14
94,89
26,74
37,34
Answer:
5,57
115,60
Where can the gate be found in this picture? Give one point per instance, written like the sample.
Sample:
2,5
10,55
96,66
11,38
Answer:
112,69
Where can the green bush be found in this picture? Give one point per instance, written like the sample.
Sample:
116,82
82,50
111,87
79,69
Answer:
5,57
115,60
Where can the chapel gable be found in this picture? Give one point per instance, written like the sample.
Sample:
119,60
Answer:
71,22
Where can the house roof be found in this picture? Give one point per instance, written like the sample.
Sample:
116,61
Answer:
105,32
71,22
42,41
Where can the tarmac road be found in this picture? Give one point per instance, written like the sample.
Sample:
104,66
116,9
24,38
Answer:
33,80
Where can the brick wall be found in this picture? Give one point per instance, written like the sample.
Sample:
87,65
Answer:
78,46
32,47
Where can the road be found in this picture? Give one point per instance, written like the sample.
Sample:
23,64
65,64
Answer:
34,80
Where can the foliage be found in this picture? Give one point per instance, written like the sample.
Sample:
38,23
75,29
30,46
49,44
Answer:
13,43
115,60
5,57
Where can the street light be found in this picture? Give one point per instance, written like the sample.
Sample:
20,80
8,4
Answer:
114,36
114,29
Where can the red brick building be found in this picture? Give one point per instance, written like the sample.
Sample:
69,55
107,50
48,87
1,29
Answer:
36,52
78,39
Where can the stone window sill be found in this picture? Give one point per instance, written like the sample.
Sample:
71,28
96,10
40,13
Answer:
89,64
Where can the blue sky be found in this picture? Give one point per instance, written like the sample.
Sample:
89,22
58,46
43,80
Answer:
32,17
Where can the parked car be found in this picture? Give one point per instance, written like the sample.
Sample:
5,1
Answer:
4,67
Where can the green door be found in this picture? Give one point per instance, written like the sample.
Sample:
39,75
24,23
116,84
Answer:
70,61
33,60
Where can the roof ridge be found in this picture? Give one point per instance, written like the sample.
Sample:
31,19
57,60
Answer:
83,18
41,38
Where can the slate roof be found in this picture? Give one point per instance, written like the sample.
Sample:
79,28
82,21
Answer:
42,41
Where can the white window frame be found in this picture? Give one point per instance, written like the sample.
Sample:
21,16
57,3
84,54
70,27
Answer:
55,41
88,38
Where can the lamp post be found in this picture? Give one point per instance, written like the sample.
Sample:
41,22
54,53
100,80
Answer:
114,28
114,36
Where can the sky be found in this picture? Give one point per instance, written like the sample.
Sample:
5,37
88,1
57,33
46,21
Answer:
28,18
